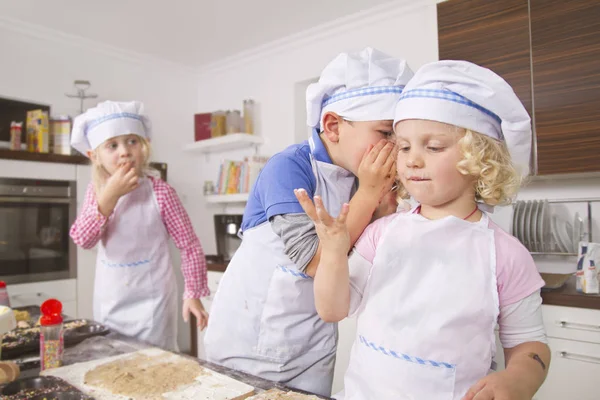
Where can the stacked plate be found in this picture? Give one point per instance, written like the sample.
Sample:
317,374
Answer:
545,228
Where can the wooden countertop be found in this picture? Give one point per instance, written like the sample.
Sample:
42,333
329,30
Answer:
567,296
7,154
217,267
43,157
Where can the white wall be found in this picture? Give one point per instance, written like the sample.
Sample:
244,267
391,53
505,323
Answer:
270,75
276,74
41,65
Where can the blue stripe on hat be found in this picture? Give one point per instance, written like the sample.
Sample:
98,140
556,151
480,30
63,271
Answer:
447,95
94,123
367,91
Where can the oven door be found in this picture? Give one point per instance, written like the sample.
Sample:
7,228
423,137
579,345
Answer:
34,239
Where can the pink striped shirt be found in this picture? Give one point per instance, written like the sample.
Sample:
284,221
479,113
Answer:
89,227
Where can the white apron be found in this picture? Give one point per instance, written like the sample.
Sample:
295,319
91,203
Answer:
135,292
425,328
263,318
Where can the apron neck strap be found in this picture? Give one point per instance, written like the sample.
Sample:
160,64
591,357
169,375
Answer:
418,211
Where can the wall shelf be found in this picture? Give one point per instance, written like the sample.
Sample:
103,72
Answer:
227,198
232,141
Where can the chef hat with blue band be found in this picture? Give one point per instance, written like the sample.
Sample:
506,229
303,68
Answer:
107,120
363,86
464,94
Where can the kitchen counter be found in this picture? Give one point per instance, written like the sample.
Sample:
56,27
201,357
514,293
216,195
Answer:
216,267
114,344
567,296
43,157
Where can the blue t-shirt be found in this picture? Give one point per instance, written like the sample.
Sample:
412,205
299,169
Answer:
273,191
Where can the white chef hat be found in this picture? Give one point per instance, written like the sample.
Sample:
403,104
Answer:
464,94
107,120
362,86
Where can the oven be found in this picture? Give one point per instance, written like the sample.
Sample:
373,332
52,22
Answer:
35,218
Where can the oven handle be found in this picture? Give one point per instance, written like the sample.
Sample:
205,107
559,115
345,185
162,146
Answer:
52,200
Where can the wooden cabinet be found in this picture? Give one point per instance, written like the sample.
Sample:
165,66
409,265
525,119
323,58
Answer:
493,34
565,40
549,51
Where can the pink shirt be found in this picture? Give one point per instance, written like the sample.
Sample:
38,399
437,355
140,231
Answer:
516,272
88,229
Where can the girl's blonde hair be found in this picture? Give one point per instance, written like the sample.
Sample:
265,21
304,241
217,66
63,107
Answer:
489,161
99,174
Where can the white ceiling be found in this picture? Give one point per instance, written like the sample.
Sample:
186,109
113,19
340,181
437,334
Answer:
189,32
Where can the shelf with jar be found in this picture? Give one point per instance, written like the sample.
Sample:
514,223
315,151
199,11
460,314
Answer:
232,141
221,131
227,198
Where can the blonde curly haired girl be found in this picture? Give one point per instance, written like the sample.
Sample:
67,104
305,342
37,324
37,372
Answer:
429,286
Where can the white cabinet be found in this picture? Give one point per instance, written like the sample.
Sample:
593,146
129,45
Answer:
574,368
570,323
36,170
27,294
213,283
574,340
86,259
346,336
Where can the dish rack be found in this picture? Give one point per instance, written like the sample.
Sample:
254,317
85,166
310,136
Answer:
545,227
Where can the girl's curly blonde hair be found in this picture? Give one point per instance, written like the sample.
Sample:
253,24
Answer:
488,160
99,174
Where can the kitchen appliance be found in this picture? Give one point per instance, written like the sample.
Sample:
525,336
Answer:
227,227
35,218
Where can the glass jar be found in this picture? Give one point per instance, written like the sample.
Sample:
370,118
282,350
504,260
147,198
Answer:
249,116
209,188
16,129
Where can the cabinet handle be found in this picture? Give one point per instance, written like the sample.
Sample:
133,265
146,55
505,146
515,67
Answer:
579,357
576,325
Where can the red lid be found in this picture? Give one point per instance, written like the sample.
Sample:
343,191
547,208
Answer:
51,312
2,284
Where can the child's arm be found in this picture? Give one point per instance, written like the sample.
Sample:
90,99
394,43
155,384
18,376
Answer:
520,322
332,280
193,262
376,176
87,228
99,204
123,181
528,364
526,353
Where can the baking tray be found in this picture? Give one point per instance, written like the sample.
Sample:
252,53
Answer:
34,313
78,335
29,340
62,396
41,387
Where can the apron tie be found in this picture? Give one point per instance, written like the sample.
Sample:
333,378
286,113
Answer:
418,211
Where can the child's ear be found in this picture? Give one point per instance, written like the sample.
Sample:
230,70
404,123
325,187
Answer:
331,126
